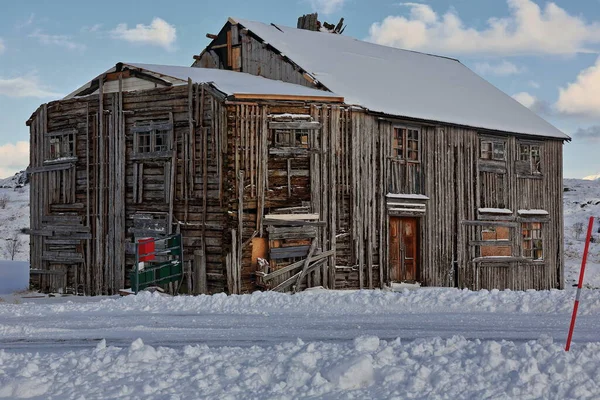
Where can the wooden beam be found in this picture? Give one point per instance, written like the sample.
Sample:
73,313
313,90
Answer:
210,36
311,125
288,97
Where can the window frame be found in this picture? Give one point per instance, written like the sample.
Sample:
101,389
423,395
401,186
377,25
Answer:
534,168
145,137
528,252
70,143
404,143
492,150
494,243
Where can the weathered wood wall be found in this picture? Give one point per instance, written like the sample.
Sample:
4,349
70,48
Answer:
223,183
85,208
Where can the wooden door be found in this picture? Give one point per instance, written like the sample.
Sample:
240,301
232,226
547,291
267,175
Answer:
403,249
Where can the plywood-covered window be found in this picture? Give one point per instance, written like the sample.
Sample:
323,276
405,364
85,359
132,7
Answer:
152,137
291,138
406,144
60,145
533,244
530,159
492,150
498,241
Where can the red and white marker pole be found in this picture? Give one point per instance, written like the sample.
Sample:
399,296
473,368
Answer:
580,284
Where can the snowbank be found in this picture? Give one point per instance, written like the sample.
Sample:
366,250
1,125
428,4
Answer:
453,368
14,276
438,300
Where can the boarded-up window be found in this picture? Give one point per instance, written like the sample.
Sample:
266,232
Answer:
406,144
533,244
492,150
60,145
291,138
495,235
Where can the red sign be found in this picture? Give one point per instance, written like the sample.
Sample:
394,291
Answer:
146,249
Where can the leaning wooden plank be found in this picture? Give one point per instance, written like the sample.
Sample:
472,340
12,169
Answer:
285,284
296,265
305,267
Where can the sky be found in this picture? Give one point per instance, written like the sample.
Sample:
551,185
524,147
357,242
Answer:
544,54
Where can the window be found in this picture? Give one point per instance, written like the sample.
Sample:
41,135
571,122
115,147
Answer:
152,137
530,157
492,150
406,144
495,235
291,138
60,145
532,240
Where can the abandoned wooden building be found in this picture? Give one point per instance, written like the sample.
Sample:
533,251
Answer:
290,158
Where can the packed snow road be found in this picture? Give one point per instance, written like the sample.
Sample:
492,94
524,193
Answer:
270,318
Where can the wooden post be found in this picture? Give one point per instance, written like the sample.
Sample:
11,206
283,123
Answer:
200,285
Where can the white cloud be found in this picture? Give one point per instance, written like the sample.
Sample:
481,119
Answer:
13,158
525,98
158,33
528,29
533,103
582,97
327,6
25,86
503,68
56,40
534,84
2,46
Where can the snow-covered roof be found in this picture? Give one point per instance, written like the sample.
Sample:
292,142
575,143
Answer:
230,82
401,82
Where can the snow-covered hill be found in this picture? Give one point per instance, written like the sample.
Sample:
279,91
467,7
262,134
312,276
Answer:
581,200
14,217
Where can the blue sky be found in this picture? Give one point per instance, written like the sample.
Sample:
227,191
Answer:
545,54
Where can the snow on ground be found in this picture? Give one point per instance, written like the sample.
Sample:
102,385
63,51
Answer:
14,218
581,200
367,367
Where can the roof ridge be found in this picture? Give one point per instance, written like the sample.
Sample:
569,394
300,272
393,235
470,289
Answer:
280,27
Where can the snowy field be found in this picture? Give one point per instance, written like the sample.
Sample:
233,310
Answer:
429,343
